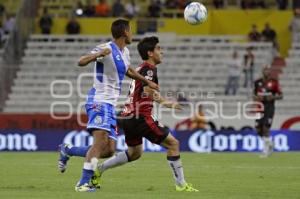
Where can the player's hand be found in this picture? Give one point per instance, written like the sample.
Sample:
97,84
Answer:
258,98
270,98
177,106
153,85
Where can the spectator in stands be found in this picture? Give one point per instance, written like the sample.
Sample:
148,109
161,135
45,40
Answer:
248,67
118,9
235,66
259,4
282,4
172,4
296,4
218,4
154,8
181,97
1,35
132,9
269,35
73,27
254,35
102,9
46,22
245,4
2,9
252,4
9,23
294,26
183,3
198,121
89,9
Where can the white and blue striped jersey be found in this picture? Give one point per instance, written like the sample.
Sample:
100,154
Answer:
109,73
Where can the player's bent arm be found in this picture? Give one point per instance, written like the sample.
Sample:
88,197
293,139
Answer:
131,72
86,59
257,98
155,96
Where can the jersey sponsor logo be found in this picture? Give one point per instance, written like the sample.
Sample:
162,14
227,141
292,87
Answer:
149,78
149,75
118,57
98,120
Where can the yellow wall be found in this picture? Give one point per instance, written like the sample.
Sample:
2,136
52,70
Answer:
236,22
219,22
89,26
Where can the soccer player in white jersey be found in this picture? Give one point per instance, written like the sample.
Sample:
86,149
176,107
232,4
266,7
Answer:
111,65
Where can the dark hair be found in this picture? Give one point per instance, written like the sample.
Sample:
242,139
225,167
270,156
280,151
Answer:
145,45
118,28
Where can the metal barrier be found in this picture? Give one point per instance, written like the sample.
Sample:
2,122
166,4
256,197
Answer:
15,44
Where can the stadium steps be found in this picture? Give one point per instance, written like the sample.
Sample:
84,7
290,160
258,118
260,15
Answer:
200,71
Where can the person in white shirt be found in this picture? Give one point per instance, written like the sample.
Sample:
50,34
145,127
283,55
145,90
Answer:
234,72
132,9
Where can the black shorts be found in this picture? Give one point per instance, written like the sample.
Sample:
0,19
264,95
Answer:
267,117
137,128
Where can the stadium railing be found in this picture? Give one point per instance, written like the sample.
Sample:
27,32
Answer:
13,49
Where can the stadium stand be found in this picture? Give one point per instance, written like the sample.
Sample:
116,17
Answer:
200,69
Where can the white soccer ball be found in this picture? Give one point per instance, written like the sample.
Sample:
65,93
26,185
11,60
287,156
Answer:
195,13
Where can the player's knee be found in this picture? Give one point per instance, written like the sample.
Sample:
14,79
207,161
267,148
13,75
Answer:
259,131
107,153
174,144
134,155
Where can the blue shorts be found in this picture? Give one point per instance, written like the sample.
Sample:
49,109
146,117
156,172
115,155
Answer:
102,116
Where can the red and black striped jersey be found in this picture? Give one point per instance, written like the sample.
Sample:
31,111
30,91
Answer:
266,88
139,103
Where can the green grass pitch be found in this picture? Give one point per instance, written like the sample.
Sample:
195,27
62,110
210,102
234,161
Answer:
216,175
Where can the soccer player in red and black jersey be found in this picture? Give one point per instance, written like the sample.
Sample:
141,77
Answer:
137,121
266,90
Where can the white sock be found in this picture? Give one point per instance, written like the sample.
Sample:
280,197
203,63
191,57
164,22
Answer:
267,142
91,165
177,170
117,160
87,166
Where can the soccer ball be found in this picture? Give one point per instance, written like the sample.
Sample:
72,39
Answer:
195,13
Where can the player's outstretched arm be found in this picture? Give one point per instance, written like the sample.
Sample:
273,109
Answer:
161,100
277,96
131,72
86,59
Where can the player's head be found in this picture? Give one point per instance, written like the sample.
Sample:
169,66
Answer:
120,28
149,49
266,72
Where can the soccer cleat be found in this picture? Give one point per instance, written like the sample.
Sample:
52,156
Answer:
186,187
63,158
84,188
263,155
96,179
